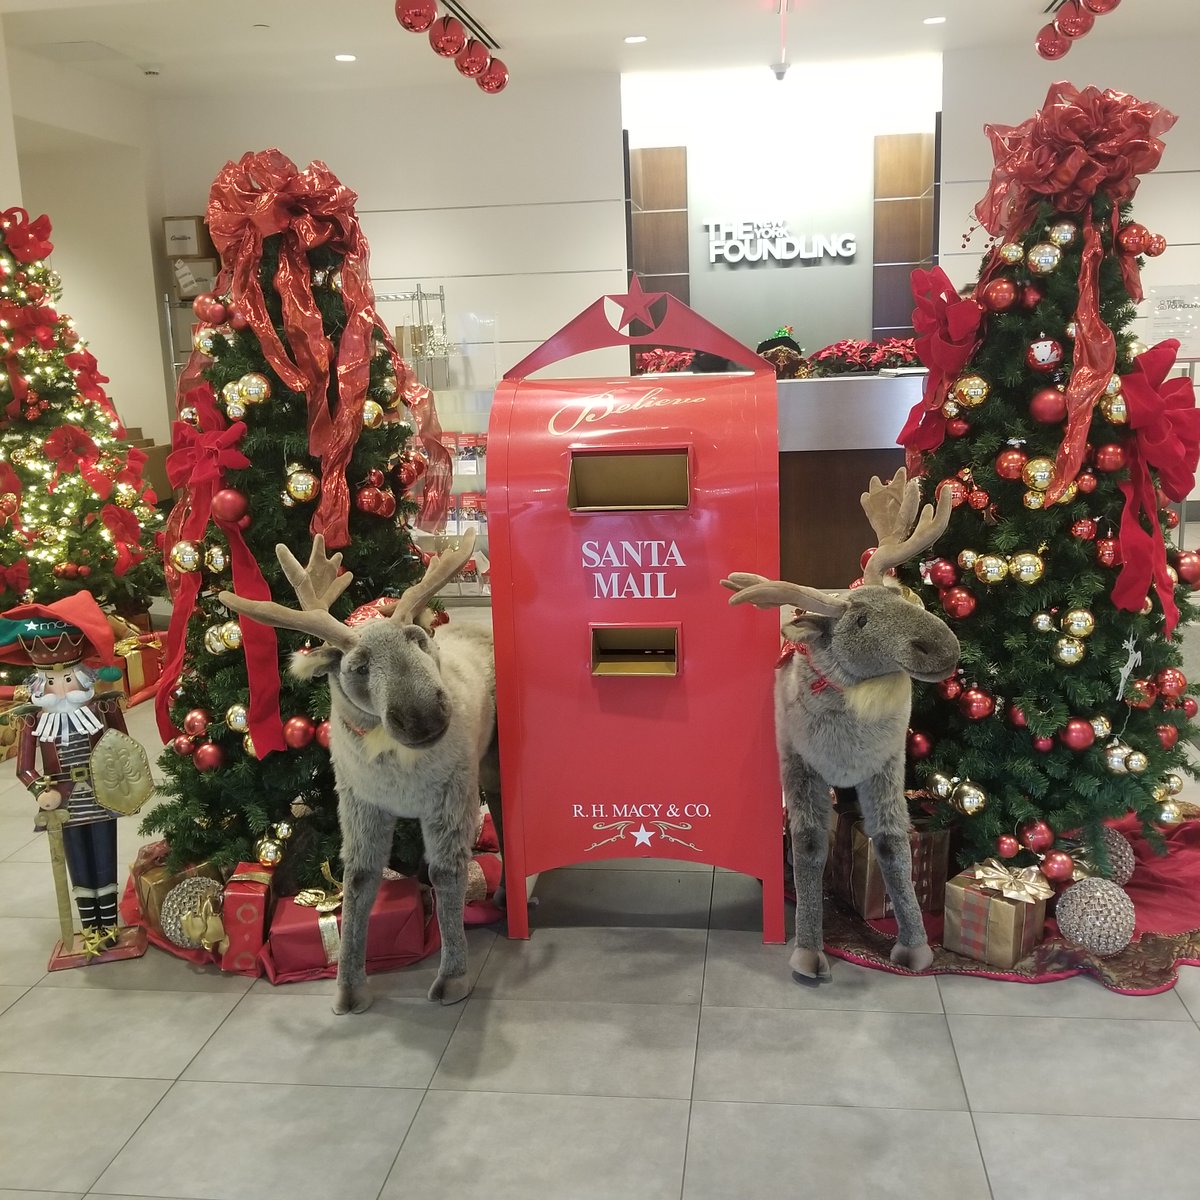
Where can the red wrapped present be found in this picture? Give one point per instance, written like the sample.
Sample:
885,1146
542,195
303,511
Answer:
245,913
305,938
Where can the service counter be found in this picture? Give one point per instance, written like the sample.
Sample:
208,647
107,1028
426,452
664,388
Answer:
834,434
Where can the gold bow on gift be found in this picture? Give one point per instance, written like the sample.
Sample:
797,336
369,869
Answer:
203,924
327,905
1027,884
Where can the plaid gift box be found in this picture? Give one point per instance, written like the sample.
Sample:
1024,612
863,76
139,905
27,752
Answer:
153,881
852,872
985,924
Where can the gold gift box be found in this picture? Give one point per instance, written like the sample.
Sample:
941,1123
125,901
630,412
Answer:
153,882
982,924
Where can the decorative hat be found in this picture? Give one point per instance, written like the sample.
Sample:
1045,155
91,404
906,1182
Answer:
55,635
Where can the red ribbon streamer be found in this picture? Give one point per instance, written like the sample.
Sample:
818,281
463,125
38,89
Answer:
197,466
438,479
1166,427
947,335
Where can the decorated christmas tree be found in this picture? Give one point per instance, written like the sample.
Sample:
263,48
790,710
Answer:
290,425
75,512
1063,440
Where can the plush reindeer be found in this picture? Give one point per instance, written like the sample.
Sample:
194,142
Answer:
413,730
843,695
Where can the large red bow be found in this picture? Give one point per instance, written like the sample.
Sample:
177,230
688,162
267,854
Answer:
1166,428
16,577
69,448
29,323
27,240
90,383
126,533
947,335
196,467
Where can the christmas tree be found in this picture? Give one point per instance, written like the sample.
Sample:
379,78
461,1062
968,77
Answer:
1063,441
74,508
289,426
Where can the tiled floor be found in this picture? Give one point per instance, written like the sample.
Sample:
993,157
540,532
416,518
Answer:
643,1045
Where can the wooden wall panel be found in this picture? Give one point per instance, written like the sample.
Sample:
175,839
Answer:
660,242
903,165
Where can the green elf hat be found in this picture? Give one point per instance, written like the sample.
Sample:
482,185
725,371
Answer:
61,634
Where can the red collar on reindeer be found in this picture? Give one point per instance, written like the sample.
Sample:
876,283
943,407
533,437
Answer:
821,682
55,635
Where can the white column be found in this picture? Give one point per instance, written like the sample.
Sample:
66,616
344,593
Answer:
10,174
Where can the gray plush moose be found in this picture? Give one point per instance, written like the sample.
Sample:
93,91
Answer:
413,735
842,702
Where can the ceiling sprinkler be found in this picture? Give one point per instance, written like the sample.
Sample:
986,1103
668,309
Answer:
780,69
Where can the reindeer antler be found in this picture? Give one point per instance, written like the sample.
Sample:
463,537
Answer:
771,593
442,567
317,585
892,508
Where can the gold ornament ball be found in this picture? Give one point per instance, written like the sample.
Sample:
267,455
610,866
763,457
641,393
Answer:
189,415
1114,409
967,559
1136,347
302,485
990,568
1069,493
283,830
1136,762
389,387
1026,567
286,500
1043,622
1169,813
213,641
215,559
1147,607
1101,726
1069,651
1069,329
1038,473
236,410
231,635
1160,793
204,339
269,852
971,390
125,495
372,415
951,409
231,391
237,718
1012,253
941,786
1173,782
1033,500
319,277
1113,386
1173,576
335,281
255,388
1115,754
1062,233
1079,623
248,746
185,556
969,798
1043,258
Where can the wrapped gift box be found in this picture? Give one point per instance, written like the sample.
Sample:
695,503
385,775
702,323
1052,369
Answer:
305,938
246,913
852,872
152,881
983,923
143,663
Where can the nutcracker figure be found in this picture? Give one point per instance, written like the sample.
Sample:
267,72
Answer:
79,791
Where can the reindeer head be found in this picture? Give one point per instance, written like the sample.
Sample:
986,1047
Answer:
383,673
876,630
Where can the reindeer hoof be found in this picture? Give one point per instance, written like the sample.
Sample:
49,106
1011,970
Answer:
352,997
915,958
450,989
811,964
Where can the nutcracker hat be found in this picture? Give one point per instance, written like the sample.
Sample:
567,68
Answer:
56,635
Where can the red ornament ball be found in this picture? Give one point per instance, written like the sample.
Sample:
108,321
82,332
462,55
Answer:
1044,355
999,295
1108,552
298,732
472,59
1048,406
1085,530
493,78
976,705
1031,296
1155,245
447,36
1187,567
369,499
196,722
1109,457
958,602
1010,463
1042,744
1086,482
919,744
416,15
237,318
978,499
208,757
1016,717
958,491
1077,734
950,689
942,573
1190,707
208,309
230,505
1036,836
1171,682
1100,7
1132,238
1171,519
185,747
865,556
1051,44
324,729
956,427
1073,21
1057,866
375,477
387,503
1007,846
1168,735
1142,693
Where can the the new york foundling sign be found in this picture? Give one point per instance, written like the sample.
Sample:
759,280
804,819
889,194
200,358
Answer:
770,242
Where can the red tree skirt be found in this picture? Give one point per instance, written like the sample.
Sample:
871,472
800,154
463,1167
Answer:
1165,890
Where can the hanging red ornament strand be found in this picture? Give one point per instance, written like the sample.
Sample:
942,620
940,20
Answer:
448,39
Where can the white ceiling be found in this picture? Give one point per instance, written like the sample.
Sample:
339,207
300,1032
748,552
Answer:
198,45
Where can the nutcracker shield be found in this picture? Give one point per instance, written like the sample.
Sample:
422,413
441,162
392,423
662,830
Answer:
121,775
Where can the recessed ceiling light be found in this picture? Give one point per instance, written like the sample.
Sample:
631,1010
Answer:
633,41
345,58
934,21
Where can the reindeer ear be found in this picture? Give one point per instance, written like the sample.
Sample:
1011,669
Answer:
312,664
806,627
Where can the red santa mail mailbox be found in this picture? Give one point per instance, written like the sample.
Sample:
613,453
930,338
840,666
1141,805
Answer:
635,718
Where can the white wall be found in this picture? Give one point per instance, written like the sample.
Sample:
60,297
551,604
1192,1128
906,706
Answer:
801,149
10,175
514,202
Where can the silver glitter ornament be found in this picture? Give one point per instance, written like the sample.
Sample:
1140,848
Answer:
1097,916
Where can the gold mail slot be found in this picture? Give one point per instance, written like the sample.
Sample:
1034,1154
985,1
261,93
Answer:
632,481
641,650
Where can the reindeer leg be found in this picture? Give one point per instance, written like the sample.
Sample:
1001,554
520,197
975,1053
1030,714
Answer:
448,836
885,816
366,841
809,817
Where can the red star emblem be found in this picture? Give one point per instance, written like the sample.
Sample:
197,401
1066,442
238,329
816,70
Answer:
635,305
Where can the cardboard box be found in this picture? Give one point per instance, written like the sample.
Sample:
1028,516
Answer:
186,236
193,275
154,471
